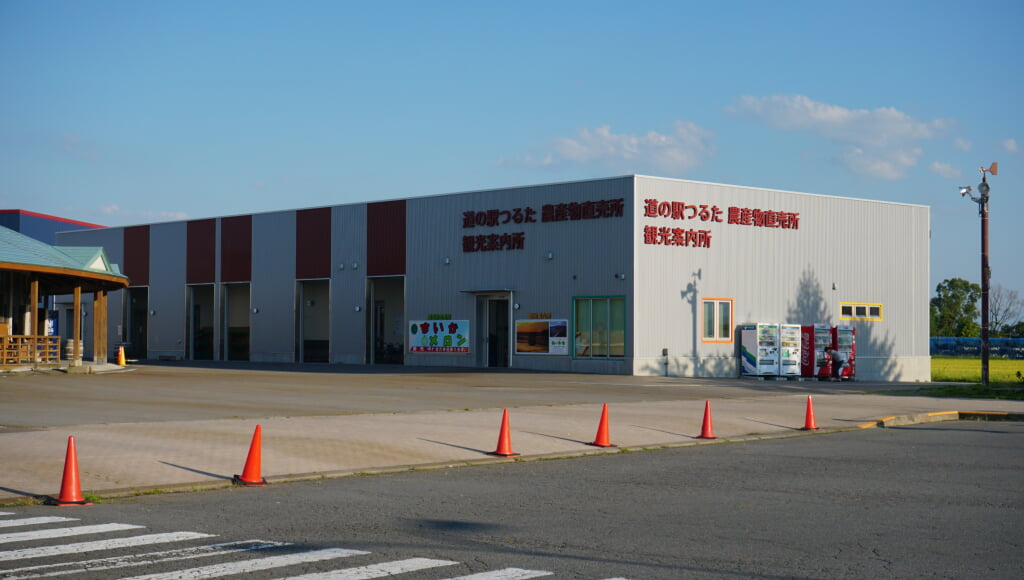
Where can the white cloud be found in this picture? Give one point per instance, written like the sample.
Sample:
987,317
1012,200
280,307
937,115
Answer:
112,209
962,144
879,142
685,147
945,170
1010,145
891,165
78,147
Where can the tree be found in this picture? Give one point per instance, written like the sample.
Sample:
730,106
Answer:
954,309
1015,331
1004,309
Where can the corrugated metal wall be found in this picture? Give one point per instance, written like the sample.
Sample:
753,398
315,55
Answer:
272,328
167,290
841,250
586,253
348,284
844,250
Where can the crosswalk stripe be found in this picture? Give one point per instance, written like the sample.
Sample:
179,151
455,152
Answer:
49,551
505,574
34,521
246,566
64,532
145,559
6,513
376,570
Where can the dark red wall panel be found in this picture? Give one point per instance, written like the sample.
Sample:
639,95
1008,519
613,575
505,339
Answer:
201,252
136,255
313,243
385,238
236,249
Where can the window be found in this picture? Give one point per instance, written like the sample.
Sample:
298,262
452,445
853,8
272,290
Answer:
717,326
860,311
600,325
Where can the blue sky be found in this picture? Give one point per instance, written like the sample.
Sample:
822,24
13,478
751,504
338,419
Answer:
125,112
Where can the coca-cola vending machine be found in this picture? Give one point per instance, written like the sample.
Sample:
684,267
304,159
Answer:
844,339
813,360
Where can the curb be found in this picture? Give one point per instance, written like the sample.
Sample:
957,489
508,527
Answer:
920,418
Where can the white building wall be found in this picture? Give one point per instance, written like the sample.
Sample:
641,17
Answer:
844,250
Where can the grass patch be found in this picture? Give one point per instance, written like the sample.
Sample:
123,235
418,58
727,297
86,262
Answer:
963,369
1005,376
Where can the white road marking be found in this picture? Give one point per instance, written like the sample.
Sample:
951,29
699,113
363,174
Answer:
146,558
376,570
114,544
34,521
6,513
246,566
65,532
505,574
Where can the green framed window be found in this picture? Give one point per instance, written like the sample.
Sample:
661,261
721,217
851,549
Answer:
600,327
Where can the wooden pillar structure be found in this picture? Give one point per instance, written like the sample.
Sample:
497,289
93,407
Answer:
33,309
76,333
99,327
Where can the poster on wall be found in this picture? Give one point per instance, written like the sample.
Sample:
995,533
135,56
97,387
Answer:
439,336
548,336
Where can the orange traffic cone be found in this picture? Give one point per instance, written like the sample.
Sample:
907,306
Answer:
251,472
121,362
70,489
504,440
602,430
706,430
809,424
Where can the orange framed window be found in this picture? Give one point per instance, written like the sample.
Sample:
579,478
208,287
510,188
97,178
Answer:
717,325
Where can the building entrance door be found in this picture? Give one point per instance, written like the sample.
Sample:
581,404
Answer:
497,332
137,323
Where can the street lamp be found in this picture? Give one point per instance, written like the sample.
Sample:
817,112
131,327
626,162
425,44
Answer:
986,272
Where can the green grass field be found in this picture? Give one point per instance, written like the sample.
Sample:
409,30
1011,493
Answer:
968,369
1004,382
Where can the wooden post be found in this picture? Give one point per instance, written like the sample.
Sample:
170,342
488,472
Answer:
76,325
99,326
33,309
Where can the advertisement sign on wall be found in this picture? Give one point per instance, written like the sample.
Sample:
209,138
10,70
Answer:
548,336
439,336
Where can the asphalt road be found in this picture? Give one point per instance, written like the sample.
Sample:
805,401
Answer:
938,500
198,391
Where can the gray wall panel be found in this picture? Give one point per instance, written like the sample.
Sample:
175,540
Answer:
273,287
167,295
348,285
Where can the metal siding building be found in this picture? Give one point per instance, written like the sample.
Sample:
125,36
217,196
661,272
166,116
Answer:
621,272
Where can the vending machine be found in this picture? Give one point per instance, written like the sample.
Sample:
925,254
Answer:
759,349
789,350
813,360
844,339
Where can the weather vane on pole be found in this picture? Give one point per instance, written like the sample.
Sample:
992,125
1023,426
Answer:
986,272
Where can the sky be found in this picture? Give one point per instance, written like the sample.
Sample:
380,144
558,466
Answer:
127,112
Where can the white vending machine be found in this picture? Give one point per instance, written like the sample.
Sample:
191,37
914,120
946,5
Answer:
789,350
759,349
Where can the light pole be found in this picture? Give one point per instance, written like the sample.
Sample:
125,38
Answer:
986,272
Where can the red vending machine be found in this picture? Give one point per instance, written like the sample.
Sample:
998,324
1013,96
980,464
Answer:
844,339
813,340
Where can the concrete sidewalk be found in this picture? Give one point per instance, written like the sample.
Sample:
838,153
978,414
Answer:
123,458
